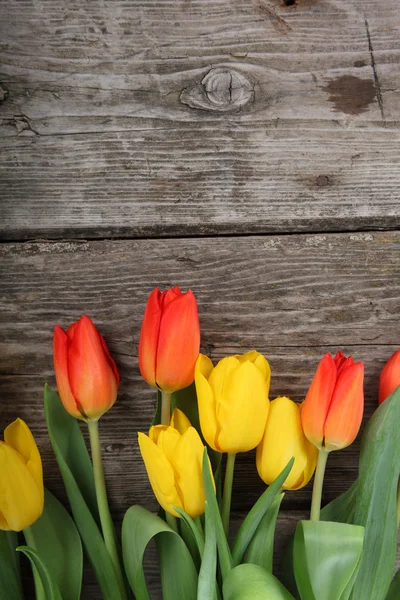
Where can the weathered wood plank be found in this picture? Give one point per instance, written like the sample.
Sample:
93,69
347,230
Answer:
292,297
194,118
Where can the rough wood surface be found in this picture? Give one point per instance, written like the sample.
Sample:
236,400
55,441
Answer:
154,118
292,297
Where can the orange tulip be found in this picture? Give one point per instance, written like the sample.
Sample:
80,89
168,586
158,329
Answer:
87,377
332,411
390,377
169,340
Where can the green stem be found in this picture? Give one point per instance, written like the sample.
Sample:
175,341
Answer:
172,521
166,408
318,483
40,594
102,503
227,494
199,525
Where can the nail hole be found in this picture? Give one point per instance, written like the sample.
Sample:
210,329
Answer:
289,2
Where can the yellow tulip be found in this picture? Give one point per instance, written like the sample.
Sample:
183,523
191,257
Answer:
233,400
173,456
21,478
284,438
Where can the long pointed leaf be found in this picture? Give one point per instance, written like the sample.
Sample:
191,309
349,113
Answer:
208,572
394,590
57,541
253,519
224,554
49,584
375,505
178,573
342,509
10,579
261,548
75,466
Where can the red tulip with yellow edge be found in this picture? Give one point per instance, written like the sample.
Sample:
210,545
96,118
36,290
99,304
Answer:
21,478
390,377
169,339
87,377
283,439
333,409
173,456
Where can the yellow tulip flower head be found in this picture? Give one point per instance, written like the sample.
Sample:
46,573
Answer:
21,478
233,400
284,438
173,457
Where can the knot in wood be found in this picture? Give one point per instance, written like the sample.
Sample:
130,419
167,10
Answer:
222,89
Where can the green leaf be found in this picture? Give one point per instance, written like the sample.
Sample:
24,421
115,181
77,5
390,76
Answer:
178,573
77,473
341,510
254,517
57,541
10,578
225,558
394,590
208,571
252,582
50,587
375,504
261,548
192,527
326,558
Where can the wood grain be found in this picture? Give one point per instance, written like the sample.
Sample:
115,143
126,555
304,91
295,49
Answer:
153,119
291,297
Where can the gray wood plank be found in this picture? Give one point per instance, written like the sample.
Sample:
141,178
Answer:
194,118
292,297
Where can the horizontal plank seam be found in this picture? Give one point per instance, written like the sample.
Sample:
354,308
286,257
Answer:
78,240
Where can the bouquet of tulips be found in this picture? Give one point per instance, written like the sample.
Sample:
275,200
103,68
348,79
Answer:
205,415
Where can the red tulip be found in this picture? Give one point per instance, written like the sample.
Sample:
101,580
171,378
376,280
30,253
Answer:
390,377
332,411
87,377
169,340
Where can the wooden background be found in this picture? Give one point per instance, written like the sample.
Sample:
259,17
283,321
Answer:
249,150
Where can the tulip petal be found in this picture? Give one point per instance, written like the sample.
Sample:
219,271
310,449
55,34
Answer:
346,410
149,337
390,377
316,405
179,421
187,463
21,502
178,343
259,360
242,408
167,442
161,475
60,349
284,438
206,401
91,376
19,436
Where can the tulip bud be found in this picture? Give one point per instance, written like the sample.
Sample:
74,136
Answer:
21,478
233,401
332,411
87,377
173,460
169,340
284,438
390,377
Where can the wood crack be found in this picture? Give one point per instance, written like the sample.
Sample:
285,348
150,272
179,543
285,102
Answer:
375,71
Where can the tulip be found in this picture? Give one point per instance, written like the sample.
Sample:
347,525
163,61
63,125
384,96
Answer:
173,459
233,400
169,340
87,377
333,409
283,439
21,478
390,377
